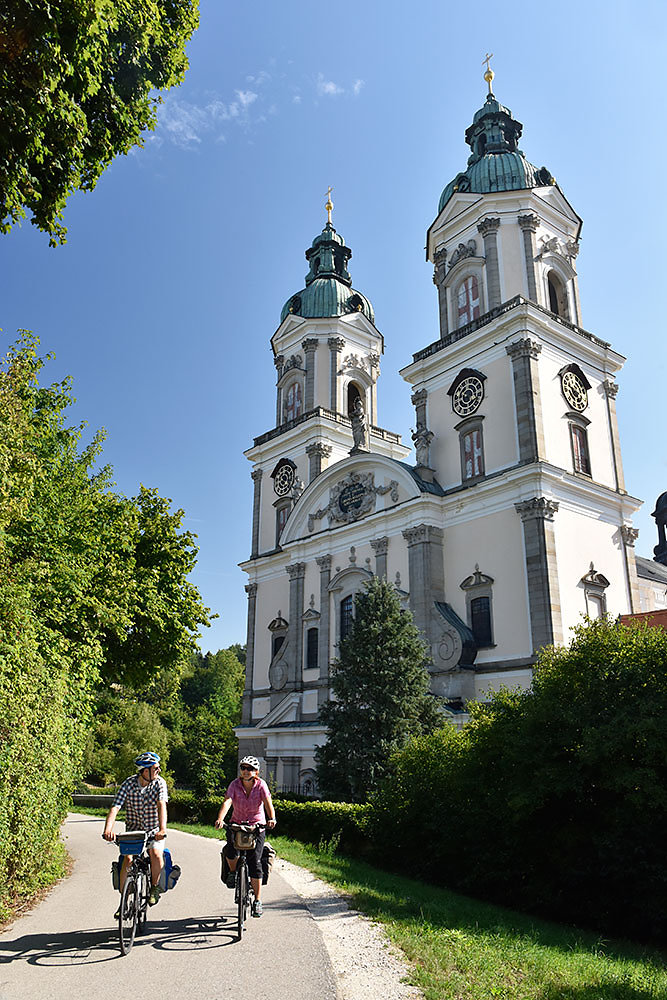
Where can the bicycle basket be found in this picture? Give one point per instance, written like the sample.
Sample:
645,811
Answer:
132,842
245,840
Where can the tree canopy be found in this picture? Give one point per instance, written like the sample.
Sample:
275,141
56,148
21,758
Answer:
380,686
78,83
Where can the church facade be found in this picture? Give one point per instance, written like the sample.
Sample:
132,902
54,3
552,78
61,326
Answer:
512,519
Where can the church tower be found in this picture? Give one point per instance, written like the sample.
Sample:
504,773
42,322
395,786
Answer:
520,401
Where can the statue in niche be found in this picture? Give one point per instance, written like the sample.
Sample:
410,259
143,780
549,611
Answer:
359,432
422,438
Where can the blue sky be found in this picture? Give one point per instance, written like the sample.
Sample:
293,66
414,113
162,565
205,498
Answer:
163,301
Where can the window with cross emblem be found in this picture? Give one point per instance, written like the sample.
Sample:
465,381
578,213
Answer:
467,298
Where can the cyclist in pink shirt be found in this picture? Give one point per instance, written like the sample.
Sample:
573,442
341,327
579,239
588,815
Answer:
251,799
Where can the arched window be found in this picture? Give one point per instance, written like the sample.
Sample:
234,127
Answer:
312,640
580,454
480,621
467,297
293,401
557,295
346,615
353,394
472,451
282,513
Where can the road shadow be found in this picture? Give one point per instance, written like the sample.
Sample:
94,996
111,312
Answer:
92,947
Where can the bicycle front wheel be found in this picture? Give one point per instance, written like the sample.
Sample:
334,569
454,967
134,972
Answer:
142,902
127,918
242,891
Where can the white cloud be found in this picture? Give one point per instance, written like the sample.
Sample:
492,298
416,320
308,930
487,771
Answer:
327,88
356,87
246,97
183,123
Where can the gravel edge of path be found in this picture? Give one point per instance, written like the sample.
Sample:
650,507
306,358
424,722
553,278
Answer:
367,965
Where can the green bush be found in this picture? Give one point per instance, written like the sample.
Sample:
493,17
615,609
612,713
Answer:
553,800
323,822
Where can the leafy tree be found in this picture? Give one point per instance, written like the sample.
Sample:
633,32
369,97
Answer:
121,730
77,87
556,798
380,684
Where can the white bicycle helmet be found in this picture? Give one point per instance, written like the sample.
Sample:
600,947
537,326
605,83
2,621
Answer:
251,762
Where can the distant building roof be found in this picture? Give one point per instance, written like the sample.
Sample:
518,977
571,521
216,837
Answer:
649,569
656,619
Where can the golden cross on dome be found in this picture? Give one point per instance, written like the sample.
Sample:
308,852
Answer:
329,204
489,75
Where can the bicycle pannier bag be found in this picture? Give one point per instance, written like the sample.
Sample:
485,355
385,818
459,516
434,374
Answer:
170,873
268,857
115,874
244,840
224,867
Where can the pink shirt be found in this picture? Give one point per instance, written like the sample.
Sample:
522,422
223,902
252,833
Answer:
248,808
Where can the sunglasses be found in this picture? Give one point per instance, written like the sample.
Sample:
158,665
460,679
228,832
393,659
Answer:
246,767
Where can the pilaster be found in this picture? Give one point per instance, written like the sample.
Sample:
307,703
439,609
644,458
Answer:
610,390
524,354
426,572
629,536
529,224
246,711
380,547
309,347
537,515
439,274
488,228
317,453
294,653
256,476
336,345
279,362
324,563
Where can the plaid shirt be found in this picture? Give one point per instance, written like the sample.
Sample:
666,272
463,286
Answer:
141,803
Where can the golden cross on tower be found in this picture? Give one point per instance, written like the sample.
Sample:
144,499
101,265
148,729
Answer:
329,204
489,75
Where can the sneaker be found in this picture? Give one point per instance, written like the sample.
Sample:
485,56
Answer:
116,915
154,897
231,880
257,908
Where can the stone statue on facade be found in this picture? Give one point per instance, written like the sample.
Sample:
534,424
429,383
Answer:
359,428
422,438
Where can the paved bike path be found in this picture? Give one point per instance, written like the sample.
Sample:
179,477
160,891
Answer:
67,947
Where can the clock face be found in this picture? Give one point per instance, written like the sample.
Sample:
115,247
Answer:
284,480
468,396
574,391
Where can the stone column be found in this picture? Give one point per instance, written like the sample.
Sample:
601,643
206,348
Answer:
317,453
629,536
380,546
419,399
489,230
524,354
279,362
546,624
291,768
324,563
310,346
610,390
439,273
529,224
336,345
256,475
246,711
271,772
294,653
426,570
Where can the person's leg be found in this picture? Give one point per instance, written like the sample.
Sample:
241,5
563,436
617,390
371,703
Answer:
125,864
255,871
157,860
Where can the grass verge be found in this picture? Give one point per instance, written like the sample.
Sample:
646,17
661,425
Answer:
463,949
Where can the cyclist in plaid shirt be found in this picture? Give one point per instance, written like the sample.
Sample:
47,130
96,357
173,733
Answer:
145,797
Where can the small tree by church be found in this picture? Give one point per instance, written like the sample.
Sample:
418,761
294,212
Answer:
380,687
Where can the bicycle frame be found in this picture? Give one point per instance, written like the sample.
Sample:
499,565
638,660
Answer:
134,898
243,891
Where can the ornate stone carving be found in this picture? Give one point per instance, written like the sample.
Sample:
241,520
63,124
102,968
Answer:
629,535
462,251
488,226
552,244
524,348
279,360
324,562
594,579
529,222
440,257
477,579
352,498
610,388
422,438
319,448
297,489
419,398
373,360
251,590
422,533
256,475
310,344
296,571
295,361
571,249
336,343
359,427
353,554
380,545
537,507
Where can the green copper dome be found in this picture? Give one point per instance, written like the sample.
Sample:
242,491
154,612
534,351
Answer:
328,290
496,162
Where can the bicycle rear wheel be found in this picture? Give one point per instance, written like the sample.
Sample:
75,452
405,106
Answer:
127,919
242,890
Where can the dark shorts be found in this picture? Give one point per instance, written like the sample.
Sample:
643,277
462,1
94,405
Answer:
254,857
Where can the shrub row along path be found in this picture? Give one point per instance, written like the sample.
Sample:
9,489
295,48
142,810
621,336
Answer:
68,945
308,945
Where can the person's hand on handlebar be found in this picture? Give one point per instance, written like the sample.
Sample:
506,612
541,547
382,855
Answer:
109,835
270,823
160,835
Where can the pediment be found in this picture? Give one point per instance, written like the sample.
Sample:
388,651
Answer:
347,492
455,207
555,198
284,711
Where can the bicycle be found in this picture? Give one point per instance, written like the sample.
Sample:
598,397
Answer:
245,836
133,907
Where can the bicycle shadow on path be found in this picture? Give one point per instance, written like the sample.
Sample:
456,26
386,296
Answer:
92,947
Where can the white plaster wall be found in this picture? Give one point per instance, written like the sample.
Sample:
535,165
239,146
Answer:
580,540
486,684
495,543
309,703
512,259
260,707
